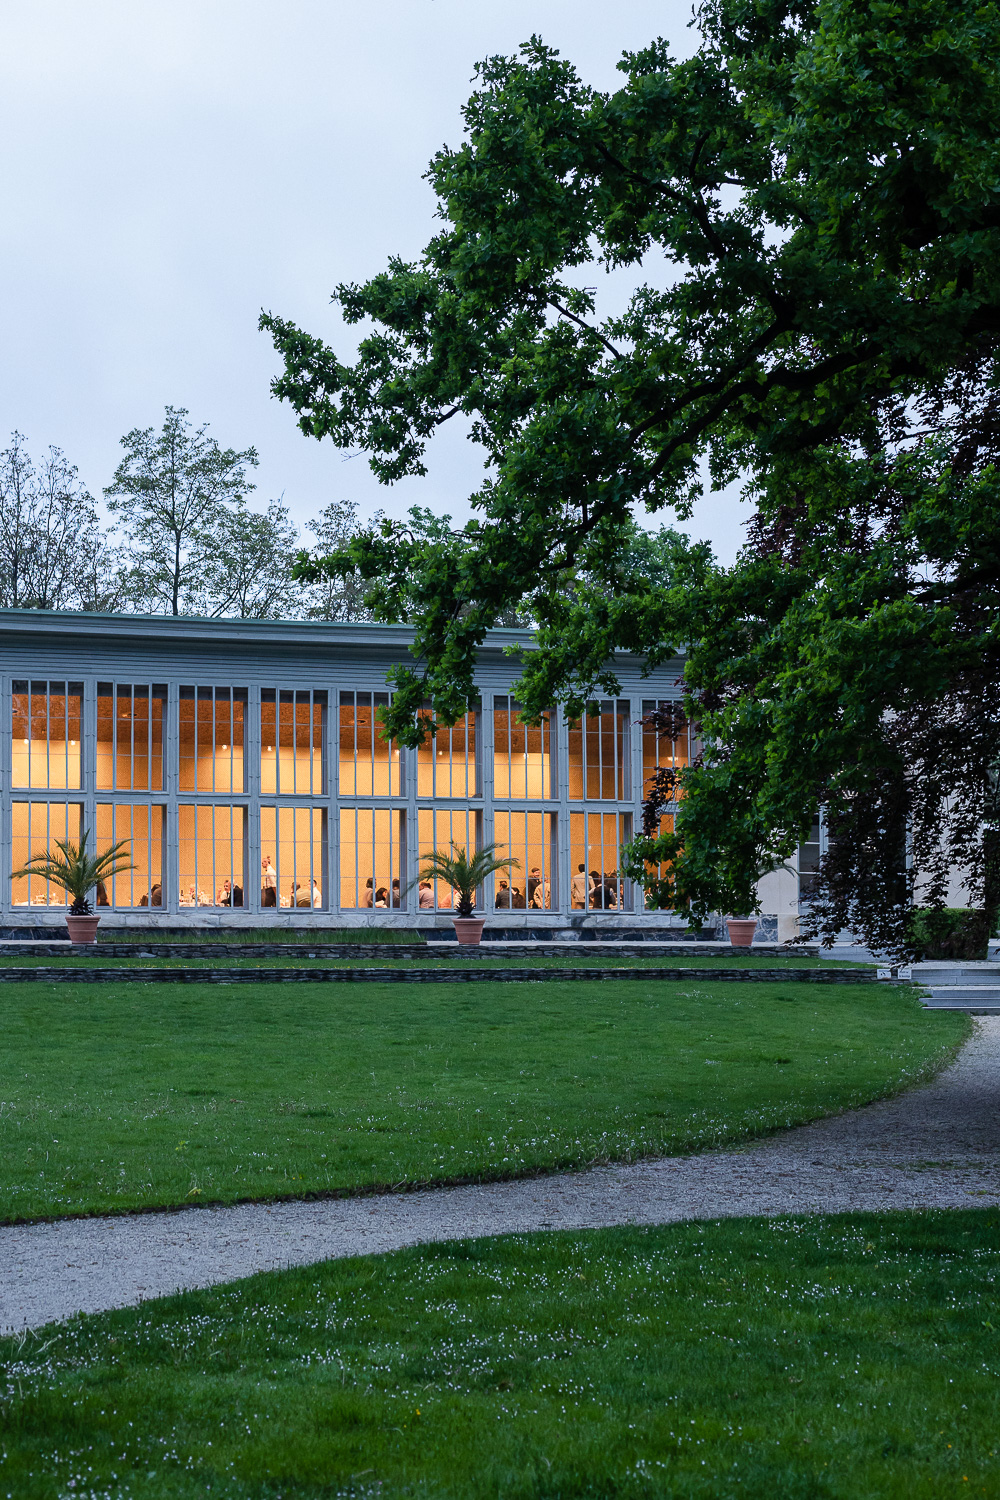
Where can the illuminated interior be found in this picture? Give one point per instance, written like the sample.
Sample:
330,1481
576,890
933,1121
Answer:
35,827
312,854
660,749
530,839
210,733
291,850
370,765
142,826
595,840
46,725
130,737
372,858
291,743
447,764
444,829
598,754
210,851
523,762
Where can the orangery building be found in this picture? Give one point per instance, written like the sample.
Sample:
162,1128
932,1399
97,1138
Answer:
243,764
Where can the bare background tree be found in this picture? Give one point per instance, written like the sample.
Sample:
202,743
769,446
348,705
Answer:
50,534
183,538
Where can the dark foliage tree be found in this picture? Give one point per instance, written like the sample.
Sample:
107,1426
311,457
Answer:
822,184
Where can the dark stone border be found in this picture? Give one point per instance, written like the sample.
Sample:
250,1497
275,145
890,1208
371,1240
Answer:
387,951
427,976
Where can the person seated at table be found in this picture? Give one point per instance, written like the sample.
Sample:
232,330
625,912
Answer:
317,894
382,897
300,895
368,899
396,898
425,898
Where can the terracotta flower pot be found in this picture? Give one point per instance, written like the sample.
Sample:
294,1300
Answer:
741,931
469,929
82,929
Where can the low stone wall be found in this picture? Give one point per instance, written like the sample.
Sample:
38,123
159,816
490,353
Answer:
462,975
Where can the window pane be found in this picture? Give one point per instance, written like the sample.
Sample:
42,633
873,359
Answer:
143,828
599,753
35,826
372,858
659,748
443,829
661,871
291,862
595,839
211,856
46,734
523,762
530,838
291,743
130,737
211,726
447,765
370,765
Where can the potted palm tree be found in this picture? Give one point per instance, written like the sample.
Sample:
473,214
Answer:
465,875
78,872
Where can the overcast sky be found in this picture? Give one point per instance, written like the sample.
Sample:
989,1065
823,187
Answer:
169,169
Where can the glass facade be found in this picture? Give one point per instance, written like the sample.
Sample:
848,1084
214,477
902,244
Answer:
210,730
235,797
595,839
524,765
130,737
448,764
372,849
46,734
211,842
599,754
450,830
292,734
370,765
35,828
142,826
530,839
292,864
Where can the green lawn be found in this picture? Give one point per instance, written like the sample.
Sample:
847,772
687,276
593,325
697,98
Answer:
114,1097
833,1358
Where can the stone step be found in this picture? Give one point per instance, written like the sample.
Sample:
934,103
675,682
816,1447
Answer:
987,977
977,998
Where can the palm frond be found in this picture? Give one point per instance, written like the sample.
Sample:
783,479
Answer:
463,874
73,869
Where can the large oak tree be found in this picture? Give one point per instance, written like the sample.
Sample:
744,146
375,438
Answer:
810,207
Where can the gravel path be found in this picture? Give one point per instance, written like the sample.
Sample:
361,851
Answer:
937,1146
